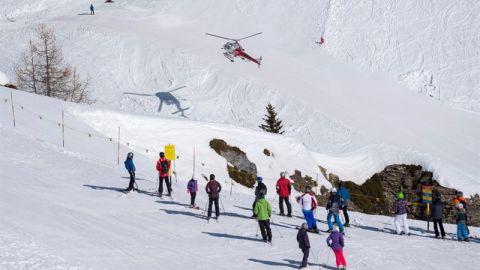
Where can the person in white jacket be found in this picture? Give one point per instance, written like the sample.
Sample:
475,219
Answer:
309,204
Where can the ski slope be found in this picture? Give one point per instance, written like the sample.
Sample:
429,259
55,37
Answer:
357,121
62,208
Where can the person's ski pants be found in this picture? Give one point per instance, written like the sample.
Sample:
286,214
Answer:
340,259
265,229
287,202
399,221
310,219
192,198
345,214
462,233
337,221
132,180
217,209
438,223
167,183
306,252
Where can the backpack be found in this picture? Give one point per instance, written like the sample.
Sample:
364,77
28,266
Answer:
164,166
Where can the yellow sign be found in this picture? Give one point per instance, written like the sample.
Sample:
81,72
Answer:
170,152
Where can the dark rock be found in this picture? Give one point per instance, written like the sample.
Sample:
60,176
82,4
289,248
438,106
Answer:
241,169
378,194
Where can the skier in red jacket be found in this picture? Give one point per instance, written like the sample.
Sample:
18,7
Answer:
284,189
163,168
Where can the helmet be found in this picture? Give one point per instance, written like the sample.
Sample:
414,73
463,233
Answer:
400,195
308,189
304,226
162,154
259,179
130,155
282,174
459,194
212,176
460,206
333,190
335,228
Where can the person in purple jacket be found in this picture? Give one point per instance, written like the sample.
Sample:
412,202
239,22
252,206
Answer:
336,242
192,188
401,214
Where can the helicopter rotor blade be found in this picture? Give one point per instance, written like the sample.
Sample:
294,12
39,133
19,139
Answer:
249,36
220,37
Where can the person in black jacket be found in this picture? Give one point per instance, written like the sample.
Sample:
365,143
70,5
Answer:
437,215
303,244
260,189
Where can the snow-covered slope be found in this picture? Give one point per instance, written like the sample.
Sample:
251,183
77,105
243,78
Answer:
40,117
149,47
432,47
64,209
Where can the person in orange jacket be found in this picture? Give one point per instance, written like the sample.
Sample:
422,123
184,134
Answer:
459,199
163,168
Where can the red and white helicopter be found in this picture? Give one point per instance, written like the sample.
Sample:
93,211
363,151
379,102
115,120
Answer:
234,49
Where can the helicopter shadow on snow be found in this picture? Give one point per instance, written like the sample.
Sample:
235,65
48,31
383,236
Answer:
166,97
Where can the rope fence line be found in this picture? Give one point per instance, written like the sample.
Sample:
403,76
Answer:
63,126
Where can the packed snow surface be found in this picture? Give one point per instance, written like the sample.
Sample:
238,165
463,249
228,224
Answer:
63,208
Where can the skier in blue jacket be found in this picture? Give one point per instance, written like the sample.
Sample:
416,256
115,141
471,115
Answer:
131,170
344,198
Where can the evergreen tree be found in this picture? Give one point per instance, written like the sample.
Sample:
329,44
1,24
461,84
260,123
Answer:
272,123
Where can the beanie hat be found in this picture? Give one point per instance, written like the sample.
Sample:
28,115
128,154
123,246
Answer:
400,195
212,176
162,154
308,189
259,179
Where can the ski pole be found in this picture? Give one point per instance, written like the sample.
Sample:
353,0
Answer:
205,209
278,230
328,256
221,203
256,233
314,254
274,198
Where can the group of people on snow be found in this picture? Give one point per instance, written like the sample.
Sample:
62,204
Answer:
438,207
337,201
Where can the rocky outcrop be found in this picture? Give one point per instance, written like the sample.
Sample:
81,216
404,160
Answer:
377,195
240,169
